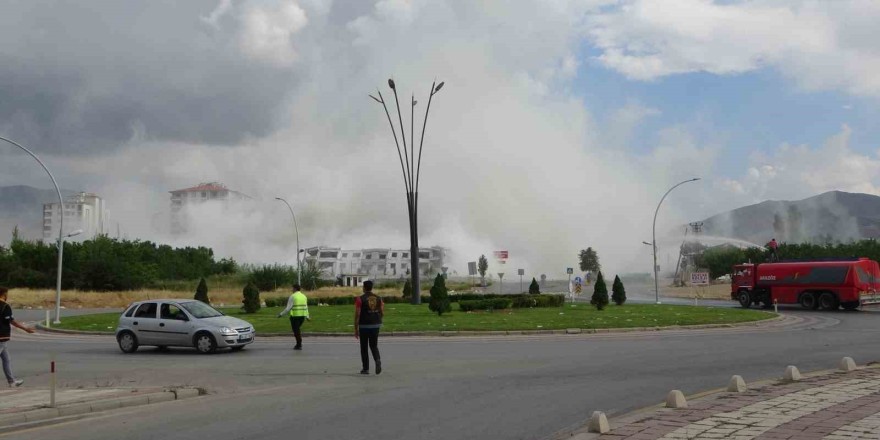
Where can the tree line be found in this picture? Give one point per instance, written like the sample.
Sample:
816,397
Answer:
106,264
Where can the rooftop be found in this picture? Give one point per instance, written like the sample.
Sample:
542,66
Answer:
209,186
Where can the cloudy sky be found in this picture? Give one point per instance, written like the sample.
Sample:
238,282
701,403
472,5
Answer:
560,125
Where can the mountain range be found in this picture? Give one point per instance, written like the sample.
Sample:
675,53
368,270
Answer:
833,216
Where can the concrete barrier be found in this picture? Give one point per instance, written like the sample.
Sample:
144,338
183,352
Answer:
186,393
675,399
847,364
792,374
736,384
598,423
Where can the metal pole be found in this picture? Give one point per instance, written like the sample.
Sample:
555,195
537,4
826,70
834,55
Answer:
60,228
296,229
654,238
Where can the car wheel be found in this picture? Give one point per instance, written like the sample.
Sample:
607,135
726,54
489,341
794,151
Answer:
128,342
205,343
745,299
239,348
808,301
828,301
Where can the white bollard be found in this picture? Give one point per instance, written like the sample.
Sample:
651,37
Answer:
847,364
792,374
47,318
52,383
775,306
675,399
736,384
598,423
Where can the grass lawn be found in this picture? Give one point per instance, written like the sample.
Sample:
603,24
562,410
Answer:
405,317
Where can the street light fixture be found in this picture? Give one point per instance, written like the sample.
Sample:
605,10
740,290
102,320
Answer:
654,238
296,229
60,227
411,169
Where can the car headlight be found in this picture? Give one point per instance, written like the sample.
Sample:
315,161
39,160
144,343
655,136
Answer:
226,331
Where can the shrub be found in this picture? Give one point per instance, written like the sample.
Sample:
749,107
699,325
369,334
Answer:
600,293
485,304
534,288
407,289
251,298
270,277
439,302
618,293
202,292
530,301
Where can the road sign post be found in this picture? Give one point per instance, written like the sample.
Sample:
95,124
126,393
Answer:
521,272
500,282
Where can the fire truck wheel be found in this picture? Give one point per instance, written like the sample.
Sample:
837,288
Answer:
828,301
745,299
808,301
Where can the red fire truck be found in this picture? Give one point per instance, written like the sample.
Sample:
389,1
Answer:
827,285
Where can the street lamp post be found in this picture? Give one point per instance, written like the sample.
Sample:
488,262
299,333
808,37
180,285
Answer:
654,238
296,230
60,228
411,169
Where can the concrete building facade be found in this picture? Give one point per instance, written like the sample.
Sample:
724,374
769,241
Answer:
83,210
201,193
373,263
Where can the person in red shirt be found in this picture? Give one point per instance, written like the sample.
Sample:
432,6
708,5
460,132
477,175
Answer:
369,309
6,324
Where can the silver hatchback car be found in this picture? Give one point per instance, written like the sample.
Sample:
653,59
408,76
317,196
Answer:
180,323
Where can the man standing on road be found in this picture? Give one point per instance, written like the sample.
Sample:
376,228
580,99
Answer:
6,323
298,307
369,309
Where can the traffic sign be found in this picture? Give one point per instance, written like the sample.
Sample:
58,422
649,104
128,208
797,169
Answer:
501,256
578,280
472,268
520,272
569,271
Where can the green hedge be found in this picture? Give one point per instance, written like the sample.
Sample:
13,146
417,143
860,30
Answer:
485,304
523,301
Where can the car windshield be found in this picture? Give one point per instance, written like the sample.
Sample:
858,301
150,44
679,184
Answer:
200,310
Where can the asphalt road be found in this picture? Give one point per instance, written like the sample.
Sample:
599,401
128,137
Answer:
441,388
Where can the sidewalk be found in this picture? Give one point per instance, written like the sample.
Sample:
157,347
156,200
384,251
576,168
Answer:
833,406
25,407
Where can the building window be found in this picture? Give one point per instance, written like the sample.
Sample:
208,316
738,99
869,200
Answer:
345,255
406,255
356,255
383,256
394,255
425,255
369,256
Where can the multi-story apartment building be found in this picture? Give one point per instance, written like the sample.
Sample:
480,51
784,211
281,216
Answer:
201,193
374,263
83,210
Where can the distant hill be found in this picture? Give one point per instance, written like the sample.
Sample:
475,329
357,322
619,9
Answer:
832,216
22,206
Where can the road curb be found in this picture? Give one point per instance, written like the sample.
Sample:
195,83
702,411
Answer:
36,417
448,333
639,414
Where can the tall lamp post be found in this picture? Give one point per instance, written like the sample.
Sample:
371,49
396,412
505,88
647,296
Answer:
60,228
296,229
411,169
654,238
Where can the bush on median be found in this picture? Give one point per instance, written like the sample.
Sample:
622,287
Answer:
485,304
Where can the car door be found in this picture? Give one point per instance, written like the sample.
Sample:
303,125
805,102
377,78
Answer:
174,325
145,324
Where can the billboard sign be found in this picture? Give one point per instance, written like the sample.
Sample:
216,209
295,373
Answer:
501,256
700,278
472,268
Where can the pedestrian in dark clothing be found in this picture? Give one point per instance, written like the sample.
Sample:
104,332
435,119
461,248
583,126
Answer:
6,324
369,309
772,246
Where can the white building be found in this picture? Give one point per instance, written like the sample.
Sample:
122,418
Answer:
201,193
84,211
375,263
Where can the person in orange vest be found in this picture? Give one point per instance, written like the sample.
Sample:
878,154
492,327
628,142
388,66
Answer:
369,309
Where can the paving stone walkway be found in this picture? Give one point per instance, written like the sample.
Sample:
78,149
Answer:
835,406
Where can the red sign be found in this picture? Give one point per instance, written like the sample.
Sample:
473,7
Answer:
501,256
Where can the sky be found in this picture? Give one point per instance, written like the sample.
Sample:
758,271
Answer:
560,124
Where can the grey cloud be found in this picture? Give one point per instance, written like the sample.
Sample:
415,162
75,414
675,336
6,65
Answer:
83,77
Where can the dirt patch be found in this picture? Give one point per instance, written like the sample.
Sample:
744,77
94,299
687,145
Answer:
715,291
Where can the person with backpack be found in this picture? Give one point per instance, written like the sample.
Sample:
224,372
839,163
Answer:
369,309
6,324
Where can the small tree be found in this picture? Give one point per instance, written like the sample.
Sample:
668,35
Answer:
407,289
251,300
202,292
589,260
439,297
600,293
618,293
534,288
482,267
